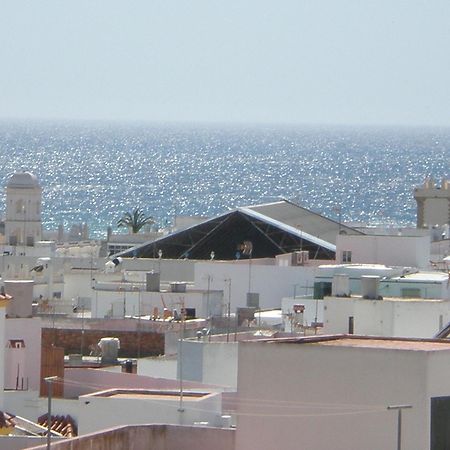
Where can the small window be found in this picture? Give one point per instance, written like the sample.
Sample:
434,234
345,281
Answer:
411,293
346,256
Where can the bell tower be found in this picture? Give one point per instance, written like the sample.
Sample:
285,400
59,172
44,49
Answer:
23,225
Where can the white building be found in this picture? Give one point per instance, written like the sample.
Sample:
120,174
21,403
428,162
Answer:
333,392
113,407
23,226
399,317
271,282
390,250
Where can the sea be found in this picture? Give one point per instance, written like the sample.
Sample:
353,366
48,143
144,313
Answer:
93,172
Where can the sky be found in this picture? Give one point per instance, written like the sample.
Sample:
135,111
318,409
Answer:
346,62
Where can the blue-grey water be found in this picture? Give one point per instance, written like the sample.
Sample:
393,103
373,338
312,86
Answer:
93,172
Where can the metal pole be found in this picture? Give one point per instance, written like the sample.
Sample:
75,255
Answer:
399,409
229,309
139,323
180,358
49,381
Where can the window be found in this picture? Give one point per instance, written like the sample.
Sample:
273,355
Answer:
411,293
346,256
20,206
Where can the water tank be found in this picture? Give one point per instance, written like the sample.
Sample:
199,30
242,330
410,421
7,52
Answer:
110,349
152,282
341,285
226,421
370,287
252,300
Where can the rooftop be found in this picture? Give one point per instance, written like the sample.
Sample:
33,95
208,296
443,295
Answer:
354,341
150,394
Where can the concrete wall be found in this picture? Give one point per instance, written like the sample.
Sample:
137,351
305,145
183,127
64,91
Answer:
210,362
271,282
98,413
295,396
108,303
430,289
26,404
2,355
412,251
22,442
160,367
71,340
399,318
156,437
30,331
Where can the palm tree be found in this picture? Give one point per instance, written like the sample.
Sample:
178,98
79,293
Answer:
134,220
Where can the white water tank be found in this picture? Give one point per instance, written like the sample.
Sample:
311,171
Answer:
341,285
370,285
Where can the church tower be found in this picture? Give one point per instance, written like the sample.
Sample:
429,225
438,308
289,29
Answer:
23,224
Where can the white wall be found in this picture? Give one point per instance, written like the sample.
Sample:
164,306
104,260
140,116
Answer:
398,318
412,251
30,331
271,282
107,302
428,289
97,413
159,367
331,397
26,404
212,363
2,355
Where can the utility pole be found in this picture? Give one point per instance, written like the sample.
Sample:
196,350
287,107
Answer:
228,309
399,409
49,381
180,358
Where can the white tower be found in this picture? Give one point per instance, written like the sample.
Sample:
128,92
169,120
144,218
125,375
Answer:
433,203
23,224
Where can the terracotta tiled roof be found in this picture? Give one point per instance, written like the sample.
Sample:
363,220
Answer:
64,425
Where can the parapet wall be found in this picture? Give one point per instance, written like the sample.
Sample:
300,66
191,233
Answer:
151,344
155,437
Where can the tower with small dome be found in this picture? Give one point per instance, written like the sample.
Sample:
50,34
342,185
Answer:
23,225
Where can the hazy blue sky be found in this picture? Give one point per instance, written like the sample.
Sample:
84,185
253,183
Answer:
315,61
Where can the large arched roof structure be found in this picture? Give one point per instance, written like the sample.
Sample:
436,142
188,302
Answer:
226,234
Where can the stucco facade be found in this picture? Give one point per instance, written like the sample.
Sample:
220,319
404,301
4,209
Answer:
390,250
387,317
325,393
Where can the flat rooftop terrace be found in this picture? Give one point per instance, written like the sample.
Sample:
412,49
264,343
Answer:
354,341
188,396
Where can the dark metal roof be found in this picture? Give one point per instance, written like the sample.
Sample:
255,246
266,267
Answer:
225,234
